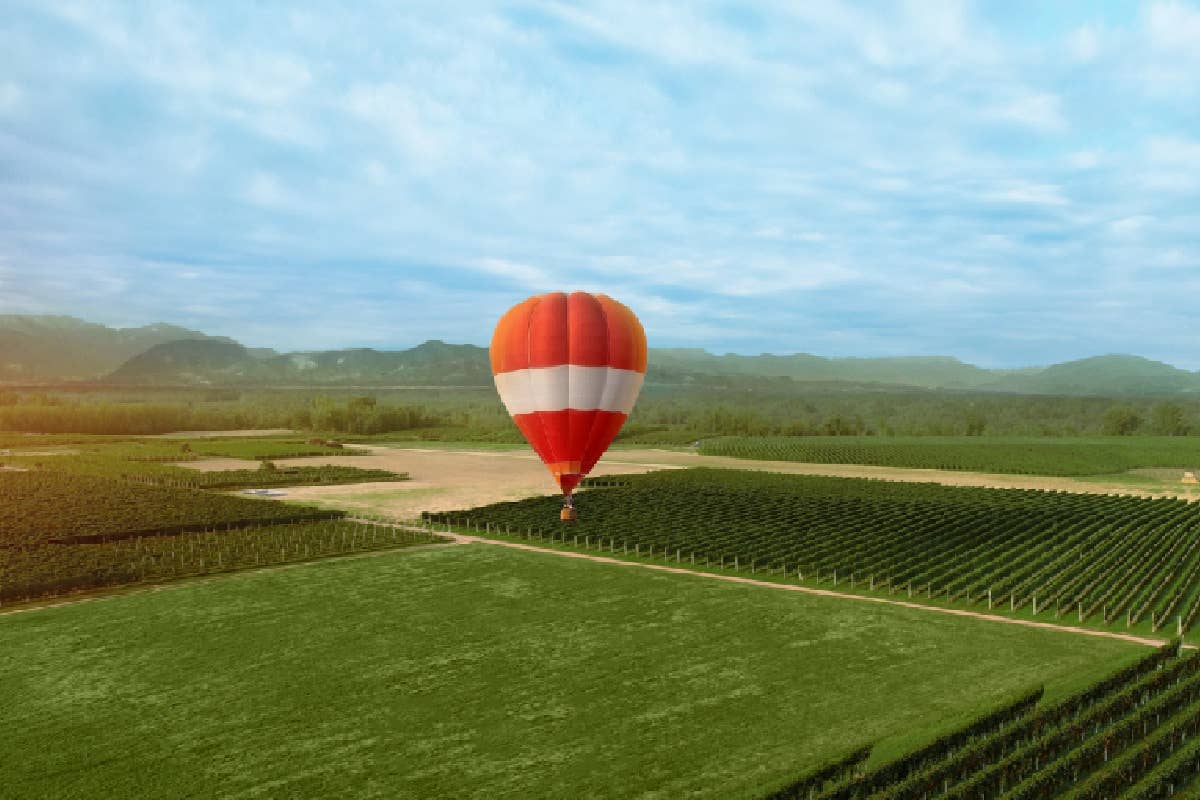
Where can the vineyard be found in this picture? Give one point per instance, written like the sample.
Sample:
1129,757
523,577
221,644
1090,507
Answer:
1095,559
1065,456
1131,735
61,533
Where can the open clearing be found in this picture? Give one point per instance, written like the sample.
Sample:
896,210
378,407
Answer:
441,479
450,478
483,671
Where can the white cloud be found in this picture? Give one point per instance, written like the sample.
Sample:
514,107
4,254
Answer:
1174,150
1032,193
11,97
524,274
1174,26
663,31
1130,226
267,190
1037,110
1085,159
779,233
410,119
1083,43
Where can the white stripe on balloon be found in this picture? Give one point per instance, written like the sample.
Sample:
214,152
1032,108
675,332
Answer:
525,391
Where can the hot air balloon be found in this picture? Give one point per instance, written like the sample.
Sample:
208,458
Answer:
568,369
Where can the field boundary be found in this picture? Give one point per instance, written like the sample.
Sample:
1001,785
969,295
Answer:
958,612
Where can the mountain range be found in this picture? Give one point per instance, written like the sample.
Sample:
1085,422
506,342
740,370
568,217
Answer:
57,348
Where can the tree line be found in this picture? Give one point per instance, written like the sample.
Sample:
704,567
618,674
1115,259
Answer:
666,414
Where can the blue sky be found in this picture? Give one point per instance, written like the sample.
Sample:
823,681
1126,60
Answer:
1012,182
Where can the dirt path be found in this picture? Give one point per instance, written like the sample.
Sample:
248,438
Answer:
1149,641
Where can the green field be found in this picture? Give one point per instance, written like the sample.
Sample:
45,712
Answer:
1041,456
485,672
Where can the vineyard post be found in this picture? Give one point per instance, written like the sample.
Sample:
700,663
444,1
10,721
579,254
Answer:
1035,605
989,598
1179,625
910,588
677,556
735,563
835,576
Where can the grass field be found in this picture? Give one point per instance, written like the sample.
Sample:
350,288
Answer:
478,671
1100,455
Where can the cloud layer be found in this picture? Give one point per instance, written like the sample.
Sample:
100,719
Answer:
1010,183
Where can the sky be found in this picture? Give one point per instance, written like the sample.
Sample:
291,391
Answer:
1011,183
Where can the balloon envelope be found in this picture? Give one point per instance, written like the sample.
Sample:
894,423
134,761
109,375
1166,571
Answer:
568,369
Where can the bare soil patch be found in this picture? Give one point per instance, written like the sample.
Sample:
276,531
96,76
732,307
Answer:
441,480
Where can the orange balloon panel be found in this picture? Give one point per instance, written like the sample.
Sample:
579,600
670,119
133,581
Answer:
569,368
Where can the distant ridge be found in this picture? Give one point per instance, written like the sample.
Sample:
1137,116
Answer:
43,347
64,348
217,362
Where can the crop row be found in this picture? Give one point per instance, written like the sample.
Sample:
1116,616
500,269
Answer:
1129,735
1113,559
43,506
49,569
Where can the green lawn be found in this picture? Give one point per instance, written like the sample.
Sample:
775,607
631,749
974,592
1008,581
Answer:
479,671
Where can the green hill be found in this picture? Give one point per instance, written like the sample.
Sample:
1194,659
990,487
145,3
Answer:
35,348
216,362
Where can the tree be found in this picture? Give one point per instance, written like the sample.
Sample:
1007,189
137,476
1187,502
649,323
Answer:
1121,421
1167,419
976,423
